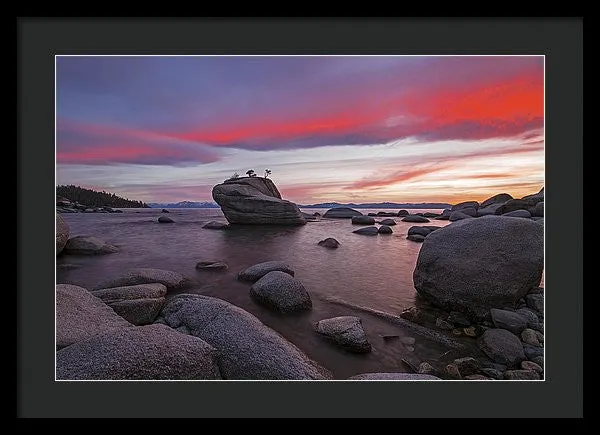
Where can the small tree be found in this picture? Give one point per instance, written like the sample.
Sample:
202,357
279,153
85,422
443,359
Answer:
267,173
234,176
250,173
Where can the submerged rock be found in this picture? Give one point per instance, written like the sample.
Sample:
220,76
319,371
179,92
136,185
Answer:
255,200
214,225
329,242
478,264
84,245
257,271
415,218
247,349
388,222
282,292
341,212
211,265
346,332
165,220
416,238
149,352
367,231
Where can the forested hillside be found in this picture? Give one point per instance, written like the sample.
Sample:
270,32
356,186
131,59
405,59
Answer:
93,198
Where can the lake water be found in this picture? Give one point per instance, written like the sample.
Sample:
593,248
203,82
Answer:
374,272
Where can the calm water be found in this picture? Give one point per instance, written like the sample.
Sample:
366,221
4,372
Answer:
374,272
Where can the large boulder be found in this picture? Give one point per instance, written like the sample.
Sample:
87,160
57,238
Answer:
152,352
501,198
214,225
138,304
282,292
85,245
489,210
478,264
81,315
247,349
257,271
62,233
345,331
171,280
388,222
341,212
393,377
255,200
538,210
518,213
363,220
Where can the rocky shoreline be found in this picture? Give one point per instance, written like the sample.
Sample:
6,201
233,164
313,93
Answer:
477,281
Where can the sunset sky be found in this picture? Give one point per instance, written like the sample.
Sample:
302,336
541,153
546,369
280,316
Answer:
345,129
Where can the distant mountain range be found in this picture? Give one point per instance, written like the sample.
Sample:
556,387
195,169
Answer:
440,205
183,204
381,205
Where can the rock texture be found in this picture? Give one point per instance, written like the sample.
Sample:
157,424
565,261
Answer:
153,352
62,233
341,212
346,332
502,347
255,200
84,245
138,304
393,377
81,315
257,271
282,292
478,264
172,280
247,349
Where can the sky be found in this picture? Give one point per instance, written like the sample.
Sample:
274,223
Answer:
330,128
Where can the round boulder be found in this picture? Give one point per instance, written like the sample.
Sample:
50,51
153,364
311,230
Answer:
329,242
478,264
363,220
256,272
388,222
502,347
165,220
282,292
384,229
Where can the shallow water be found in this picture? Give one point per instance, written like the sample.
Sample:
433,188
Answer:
373,272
